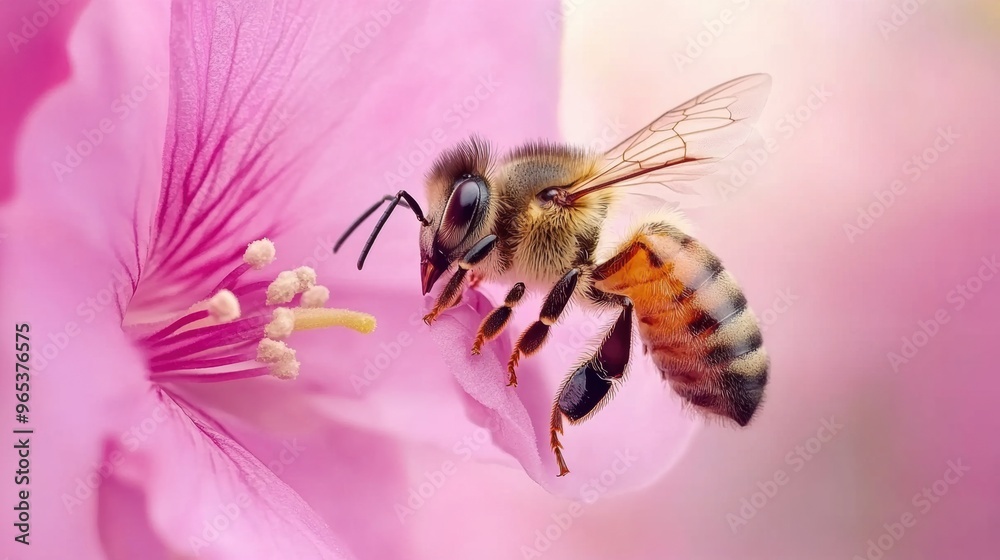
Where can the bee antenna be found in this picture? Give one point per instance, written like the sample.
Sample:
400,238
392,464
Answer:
402,198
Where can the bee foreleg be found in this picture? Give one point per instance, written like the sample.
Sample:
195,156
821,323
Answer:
452,292
497,320
589,387
532,339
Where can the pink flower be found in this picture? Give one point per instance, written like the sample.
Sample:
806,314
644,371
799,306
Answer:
123,243
137,291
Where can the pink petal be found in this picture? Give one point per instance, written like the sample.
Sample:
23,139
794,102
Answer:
633,441
490,68
82,368
207,496
91,147
257,89
36,33
126,532
394,381
351,475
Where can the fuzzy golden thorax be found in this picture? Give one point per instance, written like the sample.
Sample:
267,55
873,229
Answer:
542,235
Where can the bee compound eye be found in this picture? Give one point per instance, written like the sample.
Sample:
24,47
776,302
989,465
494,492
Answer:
462,210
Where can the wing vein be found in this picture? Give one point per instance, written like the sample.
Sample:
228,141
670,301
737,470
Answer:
707,128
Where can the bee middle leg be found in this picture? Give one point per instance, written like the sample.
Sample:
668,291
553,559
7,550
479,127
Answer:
497,320
452,292
532,339
589,387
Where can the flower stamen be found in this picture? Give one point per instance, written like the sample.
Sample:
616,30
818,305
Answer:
215,340
257,255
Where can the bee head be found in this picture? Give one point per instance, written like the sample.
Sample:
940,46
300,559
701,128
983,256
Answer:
459,197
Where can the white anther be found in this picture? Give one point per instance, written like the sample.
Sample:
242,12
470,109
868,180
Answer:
285,369
283,289
282,324
259,254
273,351
317,296
224,307
306,277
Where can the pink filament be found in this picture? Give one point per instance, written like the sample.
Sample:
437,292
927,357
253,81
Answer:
172,327
230,280
204,363
218,335
209,378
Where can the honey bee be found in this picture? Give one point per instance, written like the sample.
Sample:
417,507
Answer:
535,217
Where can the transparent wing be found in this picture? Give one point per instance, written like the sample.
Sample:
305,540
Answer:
684,143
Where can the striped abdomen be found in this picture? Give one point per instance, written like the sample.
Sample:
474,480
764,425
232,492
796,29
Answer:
693,318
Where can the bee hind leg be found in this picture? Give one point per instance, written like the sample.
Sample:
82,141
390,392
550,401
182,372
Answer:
533,338
497,320
589,387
